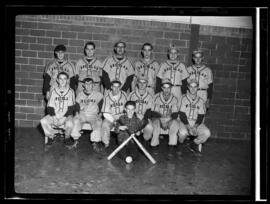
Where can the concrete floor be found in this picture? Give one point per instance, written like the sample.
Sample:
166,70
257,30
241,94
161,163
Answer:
223,169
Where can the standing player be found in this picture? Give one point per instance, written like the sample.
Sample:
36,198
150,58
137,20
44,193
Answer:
165,105
60,109
192,111
203,75
54,67
118,67
147,67
90,102
89,66
143,103
174,70
112,109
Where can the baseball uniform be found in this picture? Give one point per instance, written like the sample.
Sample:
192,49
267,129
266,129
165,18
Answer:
190,110
60,108
115,69
143,103
204,77
115,106
89,68
148,69
52,69
89,109
176,72
166,108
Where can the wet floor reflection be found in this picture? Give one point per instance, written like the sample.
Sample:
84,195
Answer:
223,169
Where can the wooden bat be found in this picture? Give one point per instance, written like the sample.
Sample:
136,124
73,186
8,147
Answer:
119,148
144,150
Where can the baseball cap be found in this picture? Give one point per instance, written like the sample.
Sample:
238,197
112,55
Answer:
115,81
60,48
166,81
192,81
197,51
142,78
87,79
117,43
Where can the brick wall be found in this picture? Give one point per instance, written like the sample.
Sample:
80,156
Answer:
228,53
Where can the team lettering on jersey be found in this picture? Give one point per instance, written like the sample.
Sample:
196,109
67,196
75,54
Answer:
143,102
92,69
112,106
203,75
165,107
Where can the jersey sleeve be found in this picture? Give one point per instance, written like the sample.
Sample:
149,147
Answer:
161,71
131,70
185,73
106,105
51,102
71,101
175,105
182,104
210,76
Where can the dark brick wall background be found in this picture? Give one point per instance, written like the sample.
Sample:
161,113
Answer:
228,52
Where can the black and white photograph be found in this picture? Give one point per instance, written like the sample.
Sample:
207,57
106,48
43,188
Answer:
154,106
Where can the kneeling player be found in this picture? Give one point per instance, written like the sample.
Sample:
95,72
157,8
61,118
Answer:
60,110
192,111
90,102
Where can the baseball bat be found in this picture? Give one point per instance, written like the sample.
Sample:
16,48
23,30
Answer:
144,150
119,148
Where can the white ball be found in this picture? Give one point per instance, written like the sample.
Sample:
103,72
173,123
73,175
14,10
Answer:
128,159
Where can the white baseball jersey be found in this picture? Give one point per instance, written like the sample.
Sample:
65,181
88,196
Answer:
114,104
175,72
118,69
143,102
53,68
89,103
60,100
92,69
165,108
192,107
143,68
204,76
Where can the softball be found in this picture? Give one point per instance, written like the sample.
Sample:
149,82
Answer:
128,159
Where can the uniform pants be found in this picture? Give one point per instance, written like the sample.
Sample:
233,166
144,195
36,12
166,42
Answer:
202,131
172,125
106,131
93,120
48,125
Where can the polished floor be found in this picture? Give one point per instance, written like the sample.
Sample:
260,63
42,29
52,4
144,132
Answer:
224,168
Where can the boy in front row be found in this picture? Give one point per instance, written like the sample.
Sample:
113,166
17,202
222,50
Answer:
129,124
60,106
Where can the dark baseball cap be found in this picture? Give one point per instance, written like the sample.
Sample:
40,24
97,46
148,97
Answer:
60,48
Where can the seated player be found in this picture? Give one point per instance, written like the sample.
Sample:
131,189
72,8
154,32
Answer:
60,109
144,102
90,102
129,124
166,107
112,109
192,112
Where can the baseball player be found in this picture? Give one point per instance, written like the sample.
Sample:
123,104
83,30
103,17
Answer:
144,102
192,111
203,74
60,110
174,70
54,67
165,105
147,67
90,102
118,67
112,109
89,66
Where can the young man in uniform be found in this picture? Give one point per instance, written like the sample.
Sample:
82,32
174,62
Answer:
118,67
90,102
89,66
174,70
54,67
166,106
192,111
143,103
203,75
147,67
60,110
112,109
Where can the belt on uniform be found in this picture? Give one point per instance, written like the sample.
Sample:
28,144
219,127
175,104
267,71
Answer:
199,89
150,87
177,85
93,82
